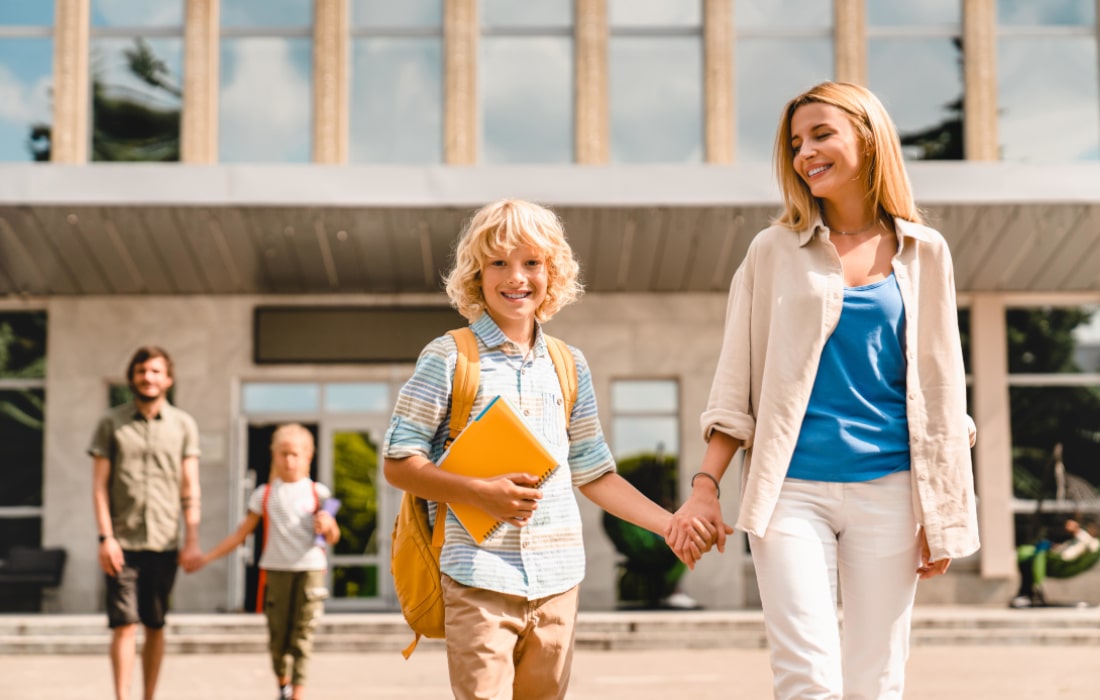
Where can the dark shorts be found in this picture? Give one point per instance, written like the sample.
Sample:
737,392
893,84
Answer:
140,591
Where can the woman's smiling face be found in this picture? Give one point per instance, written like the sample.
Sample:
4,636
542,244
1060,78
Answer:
828,151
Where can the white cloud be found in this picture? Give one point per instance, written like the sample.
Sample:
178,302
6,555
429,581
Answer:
20,102
140,13
266,102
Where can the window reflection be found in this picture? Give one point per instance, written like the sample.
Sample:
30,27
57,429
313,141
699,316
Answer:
527,100
770,72
386,13
266,13
899,13
1046,13
644,396
530,13
656,99
136,13
1049,108
26,76
655,13
396,100
280,397
27,14
265,100
926,105
136,99
349,397
783,14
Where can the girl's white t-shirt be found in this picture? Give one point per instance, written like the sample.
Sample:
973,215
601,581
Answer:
290,537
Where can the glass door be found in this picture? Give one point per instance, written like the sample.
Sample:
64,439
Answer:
359,563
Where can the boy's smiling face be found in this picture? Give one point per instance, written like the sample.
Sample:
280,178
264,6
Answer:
290,458
514,286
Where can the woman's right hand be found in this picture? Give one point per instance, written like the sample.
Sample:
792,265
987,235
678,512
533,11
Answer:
697,526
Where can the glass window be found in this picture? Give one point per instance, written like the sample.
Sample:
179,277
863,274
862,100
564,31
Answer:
266,99
27,14
137,93
1054,398
267,13
784,15
646,419
526,99
280,397
793,66
386,13
396,100
655,13
356,482
531,13
1022,13
655,86
906,13
920,82
1049,108
645,396
347,397
22,427
26,76
137,13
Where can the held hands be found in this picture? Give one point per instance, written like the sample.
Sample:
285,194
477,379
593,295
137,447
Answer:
191,557
696,527
510,498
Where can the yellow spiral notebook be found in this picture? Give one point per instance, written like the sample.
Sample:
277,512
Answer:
496,442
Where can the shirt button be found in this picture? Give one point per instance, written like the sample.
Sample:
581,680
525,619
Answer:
526,412
559,402
913,395
922,477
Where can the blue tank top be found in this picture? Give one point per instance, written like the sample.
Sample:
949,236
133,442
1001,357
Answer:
855,427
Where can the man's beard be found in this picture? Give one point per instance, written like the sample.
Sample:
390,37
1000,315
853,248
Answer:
142,398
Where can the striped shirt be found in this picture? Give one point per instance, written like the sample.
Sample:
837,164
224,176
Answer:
546,556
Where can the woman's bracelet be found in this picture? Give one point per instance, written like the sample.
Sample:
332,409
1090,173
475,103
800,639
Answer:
717,488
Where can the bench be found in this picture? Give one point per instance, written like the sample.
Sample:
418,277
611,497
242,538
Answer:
26,573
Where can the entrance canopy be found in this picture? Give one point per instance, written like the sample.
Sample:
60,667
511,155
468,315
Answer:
310,229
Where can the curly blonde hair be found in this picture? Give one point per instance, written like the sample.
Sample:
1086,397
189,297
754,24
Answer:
501,227
883,165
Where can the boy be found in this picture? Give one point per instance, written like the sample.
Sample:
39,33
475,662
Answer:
511,602
293,564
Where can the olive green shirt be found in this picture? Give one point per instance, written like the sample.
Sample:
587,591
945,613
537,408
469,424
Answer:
146,473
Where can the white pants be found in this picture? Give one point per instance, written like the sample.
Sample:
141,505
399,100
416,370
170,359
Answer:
864,536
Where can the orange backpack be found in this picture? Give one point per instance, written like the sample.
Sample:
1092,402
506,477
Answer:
414,555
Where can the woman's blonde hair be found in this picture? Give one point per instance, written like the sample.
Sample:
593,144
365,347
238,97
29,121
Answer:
883,165
501,227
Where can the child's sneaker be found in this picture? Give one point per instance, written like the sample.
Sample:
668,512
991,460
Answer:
286,692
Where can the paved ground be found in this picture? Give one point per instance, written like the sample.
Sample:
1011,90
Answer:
935,673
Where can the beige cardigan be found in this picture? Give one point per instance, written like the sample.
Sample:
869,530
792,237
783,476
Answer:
785,300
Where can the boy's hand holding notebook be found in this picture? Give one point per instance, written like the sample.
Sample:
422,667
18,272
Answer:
495,443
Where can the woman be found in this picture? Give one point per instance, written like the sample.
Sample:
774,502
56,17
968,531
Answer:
841,375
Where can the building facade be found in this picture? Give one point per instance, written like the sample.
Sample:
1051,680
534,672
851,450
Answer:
271,189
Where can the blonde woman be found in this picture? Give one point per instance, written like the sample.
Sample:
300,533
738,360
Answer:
841,376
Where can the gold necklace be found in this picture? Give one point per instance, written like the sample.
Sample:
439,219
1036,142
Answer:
865,229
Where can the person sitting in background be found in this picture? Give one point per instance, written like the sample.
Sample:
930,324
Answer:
1063,560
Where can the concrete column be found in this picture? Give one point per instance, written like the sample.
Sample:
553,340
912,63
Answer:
851,41
993,452
591,131
330,81
460,33
980,138
199,117
718,80
69,132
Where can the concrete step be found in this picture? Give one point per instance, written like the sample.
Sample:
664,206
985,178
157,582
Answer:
347,632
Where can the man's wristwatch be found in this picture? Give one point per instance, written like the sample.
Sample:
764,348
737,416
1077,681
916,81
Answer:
103,538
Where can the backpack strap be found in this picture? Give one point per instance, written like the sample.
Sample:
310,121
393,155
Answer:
463,393
566,367
261,578
467,376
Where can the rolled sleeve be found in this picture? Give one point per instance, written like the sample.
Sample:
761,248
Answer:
729,407
589,455
423,404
